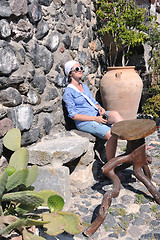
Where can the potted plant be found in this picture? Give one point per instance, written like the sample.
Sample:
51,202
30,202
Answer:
122,26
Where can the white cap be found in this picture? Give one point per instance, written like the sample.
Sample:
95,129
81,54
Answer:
67,67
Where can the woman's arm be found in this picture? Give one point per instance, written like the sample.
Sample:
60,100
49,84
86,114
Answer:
88,93
101,110
81,117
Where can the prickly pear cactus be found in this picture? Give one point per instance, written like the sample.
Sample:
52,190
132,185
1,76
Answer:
18,198
17,179
73,223
55,203
29,236
19,224
19,159
13,225
45,194
10,170
24,197
12,139
32,175
62,221
3,182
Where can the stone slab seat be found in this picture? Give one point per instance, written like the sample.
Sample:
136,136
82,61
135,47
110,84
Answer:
52,152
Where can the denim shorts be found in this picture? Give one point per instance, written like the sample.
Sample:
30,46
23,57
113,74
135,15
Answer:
97,129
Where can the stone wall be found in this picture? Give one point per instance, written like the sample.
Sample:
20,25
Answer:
36,38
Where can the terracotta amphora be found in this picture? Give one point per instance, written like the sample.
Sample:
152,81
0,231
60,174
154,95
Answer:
121,89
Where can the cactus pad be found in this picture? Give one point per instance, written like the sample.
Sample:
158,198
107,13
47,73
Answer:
29,236
45,194
20,223
3,182
17,179
10,170
10,227
12,139
24,197
62,221
22,209
32,175
56,225
55,203
73,223
19,159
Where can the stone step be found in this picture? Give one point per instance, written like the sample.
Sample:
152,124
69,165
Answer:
52,152
58,149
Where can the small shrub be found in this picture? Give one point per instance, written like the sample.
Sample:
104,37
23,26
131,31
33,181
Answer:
152,106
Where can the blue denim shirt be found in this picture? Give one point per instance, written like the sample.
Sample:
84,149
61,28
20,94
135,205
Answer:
76,103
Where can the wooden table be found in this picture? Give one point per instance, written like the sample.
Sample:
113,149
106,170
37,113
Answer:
134,131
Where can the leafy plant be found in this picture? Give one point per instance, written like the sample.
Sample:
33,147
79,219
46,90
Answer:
152,106
18,198
154,41
125,24
139,198
121,211
154,208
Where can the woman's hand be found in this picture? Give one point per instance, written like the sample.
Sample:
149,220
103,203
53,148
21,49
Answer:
101,110
100,119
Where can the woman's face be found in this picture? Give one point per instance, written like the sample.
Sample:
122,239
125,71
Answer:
76,71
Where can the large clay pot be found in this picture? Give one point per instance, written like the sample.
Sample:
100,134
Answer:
121,89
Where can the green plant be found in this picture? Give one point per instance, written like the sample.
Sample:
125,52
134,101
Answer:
139,198
154,41
18,198
106,228
152,106
125,24
125,223
121,211
154,208
110,210
123,149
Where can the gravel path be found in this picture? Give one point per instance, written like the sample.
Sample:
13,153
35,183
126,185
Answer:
133,215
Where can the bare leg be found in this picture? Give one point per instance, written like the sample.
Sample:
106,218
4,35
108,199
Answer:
112,140
114,117
111,146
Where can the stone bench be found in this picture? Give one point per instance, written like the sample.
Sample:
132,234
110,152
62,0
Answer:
56,155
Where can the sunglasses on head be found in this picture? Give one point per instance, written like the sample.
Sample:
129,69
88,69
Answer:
77,69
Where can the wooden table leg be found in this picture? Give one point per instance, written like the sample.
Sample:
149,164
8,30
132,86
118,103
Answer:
133,145
139,162
138,159
108,169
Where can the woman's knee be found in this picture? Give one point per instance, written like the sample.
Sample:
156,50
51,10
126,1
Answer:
114,116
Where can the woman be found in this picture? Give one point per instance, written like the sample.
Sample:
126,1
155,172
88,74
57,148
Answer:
86,111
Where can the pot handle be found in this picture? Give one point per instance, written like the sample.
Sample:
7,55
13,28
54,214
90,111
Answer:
118,75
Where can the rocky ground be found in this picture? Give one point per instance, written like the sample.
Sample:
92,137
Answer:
133,215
